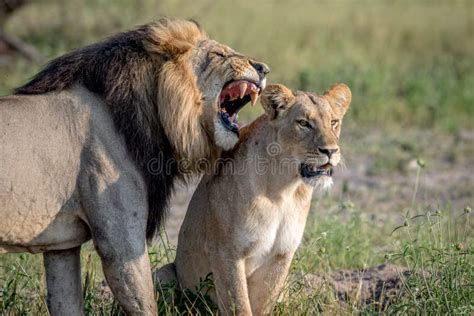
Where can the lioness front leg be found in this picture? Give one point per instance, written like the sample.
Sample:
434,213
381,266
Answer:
231,284
266,283
63,280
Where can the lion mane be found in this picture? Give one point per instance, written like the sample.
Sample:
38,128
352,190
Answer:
145,78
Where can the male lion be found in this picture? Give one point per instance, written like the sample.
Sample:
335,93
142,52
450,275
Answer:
245,222
90,148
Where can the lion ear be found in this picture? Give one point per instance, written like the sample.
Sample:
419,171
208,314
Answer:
172,38
339,96
275,99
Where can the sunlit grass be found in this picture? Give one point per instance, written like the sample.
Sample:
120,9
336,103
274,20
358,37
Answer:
435,244
407,62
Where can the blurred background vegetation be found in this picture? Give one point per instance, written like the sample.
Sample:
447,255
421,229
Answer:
408,62
408,138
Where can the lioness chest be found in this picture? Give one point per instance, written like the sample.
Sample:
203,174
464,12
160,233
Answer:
272,229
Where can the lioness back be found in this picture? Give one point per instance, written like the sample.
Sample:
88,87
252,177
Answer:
247,219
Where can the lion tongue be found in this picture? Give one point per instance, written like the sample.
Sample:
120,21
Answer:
235,90
238,89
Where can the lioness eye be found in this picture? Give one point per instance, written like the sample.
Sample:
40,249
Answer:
334,123
303,123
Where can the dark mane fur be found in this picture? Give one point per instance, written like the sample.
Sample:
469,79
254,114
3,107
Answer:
119,69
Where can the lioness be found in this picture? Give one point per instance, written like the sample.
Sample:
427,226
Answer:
92,145
245,222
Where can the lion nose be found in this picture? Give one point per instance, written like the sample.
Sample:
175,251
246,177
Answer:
261,68
327,151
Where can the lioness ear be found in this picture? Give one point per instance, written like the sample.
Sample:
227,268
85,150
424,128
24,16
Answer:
172,38
339,96
275,99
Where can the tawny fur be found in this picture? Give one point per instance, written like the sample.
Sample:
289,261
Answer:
245,222
91,148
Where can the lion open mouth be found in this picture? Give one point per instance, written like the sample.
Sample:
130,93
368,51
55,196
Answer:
234,96
308,171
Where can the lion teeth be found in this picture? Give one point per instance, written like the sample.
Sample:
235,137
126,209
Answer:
253,97
242,89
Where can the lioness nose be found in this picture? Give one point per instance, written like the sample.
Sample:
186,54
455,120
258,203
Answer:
327,151
261,68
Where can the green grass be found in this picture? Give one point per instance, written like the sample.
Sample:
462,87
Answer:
436,246
443,263
444,260
407,62
434,243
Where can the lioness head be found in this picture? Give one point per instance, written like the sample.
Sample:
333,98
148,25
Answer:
308,126
213,75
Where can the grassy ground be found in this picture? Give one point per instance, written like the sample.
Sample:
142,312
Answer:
408,62
435,243
410,66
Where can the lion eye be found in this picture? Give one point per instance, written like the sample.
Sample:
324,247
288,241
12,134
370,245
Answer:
219,54
303,123
334,123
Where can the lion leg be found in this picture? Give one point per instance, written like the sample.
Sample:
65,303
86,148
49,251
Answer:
231,284
266,283
63,280
131,283
116,211
126,266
